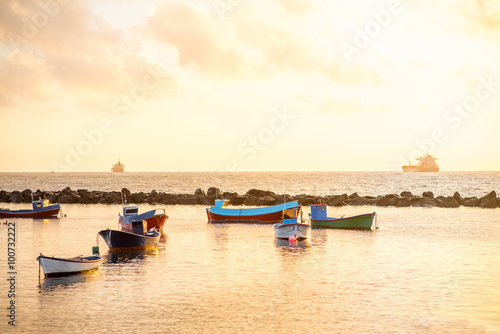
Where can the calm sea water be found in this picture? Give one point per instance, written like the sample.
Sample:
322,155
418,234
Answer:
426,270
293,183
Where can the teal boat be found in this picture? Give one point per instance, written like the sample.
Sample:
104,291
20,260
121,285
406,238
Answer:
318,218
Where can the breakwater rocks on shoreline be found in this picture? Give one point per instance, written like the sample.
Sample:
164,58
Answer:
253,197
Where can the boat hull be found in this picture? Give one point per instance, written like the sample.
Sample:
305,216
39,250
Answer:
51,211
298,231
121,240
154,219
267,215
61,266
360,222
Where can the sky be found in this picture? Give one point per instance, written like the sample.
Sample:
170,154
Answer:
239,85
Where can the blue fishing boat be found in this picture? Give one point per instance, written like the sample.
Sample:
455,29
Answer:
267,215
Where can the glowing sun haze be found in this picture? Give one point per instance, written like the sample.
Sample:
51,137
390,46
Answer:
222,85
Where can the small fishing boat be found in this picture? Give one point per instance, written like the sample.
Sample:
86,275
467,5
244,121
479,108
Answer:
41,209
290,228
53,266
154,218
267,215
319,218
139,238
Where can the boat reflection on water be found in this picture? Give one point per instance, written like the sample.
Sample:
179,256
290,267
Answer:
52,284
297,244
127,255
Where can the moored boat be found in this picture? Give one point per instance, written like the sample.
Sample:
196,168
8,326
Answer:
40,209
319,218
290,228
139,238
154,218
53,266
267,215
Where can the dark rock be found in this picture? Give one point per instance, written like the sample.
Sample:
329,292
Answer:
280,199
237,200
387,201
125,192
406,194
113,197
266,201
213,192
449,202
404,202
199,191
169,199
66,190
488,201
458,198
137,197
428,194
16,197
259,193
338,200
353,196
425,202
251,201
471,201
357,201
308,200
188,200
66,199
154,192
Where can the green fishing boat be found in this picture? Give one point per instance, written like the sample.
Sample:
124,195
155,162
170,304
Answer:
319,218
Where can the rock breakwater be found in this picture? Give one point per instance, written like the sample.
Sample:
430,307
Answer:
253,197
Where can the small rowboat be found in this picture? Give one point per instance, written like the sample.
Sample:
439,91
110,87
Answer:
318,218
290,229
53,266
267,215
41,209
139,238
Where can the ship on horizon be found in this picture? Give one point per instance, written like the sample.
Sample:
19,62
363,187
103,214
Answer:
118,167
426,163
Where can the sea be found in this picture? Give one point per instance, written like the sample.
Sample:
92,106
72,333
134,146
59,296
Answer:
425,270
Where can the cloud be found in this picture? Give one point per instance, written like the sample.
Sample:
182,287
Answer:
56,50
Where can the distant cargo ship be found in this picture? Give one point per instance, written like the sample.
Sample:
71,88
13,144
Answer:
425,164
118,167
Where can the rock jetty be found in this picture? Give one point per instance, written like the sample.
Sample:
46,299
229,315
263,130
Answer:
253,197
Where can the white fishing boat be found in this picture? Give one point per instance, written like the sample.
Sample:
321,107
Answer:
53,266
290,228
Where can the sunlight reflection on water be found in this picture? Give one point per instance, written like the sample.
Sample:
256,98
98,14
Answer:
425,270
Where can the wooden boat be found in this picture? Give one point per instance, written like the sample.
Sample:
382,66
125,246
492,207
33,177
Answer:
267,215
139,238
360,222
41,209
53,266
154,218
290,228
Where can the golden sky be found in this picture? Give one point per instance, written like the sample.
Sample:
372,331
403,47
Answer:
223,85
